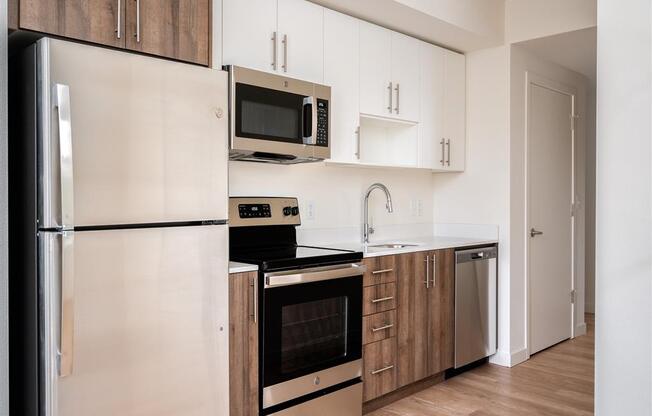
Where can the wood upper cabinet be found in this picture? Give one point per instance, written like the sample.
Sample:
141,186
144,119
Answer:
177,29
97,21
425,314
243,344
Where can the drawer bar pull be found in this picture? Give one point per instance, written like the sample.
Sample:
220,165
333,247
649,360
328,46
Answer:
382,370
382,299
382,271
380,328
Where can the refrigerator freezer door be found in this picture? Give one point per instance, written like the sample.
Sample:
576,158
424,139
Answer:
149,137
150,320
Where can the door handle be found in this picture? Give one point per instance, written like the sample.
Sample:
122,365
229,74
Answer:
285,53
357,135
274,50
309,121
534,232
427,260
62,104
443,151
448,154
391,95
434,270
398,98
254,299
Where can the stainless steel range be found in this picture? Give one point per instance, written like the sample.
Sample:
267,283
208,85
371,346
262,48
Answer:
310,312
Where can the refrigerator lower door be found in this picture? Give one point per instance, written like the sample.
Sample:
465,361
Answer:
140,317
129,139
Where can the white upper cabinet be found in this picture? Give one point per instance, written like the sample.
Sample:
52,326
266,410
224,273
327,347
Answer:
376,90
342,73
455,110
405,77
301,42
249,31
431,131
280,36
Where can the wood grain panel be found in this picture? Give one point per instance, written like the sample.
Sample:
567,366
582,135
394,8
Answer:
178,29
412,318
441,325
88,20
379,356
378,298
380,270
12,14
377,321
243,345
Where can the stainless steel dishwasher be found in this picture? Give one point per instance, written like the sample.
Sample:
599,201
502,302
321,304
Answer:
475,304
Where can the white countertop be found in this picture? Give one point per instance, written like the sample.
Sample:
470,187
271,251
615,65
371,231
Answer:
416,244
235,267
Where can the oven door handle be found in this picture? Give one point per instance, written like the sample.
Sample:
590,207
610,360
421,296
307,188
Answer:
317,274
308,120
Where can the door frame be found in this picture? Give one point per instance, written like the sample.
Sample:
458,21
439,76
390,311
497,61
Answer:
543,82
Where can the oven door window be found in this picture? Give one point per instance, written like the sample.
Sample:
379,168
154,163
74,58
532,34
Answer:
267,114
310,327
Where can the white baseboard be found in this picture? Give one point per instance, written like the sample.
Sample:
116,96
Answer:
580,329
507,359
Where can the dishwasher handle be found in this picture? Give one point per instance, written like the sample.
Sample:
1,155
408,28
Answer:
476,254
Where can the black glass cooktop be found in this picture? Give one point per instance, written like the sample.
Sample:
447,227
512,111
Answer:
277,258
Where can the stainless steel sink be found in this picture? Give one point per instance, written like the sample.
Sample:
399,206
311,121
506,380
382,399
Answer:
393,245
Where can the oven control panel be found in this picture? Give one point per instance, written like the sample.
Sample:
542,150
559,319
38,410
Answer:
256,211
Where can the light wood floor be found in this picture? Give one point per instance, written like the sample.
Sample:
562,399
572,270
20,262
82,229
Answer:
557,381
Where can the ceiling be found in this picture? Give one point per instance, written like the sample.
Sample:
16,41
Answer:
574,50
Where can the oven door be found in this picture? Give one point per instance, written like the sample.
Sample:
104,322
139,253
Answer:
272,115
312,331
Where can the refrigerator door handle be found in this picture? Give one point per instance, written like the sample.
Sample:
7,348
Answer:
62,100
67,328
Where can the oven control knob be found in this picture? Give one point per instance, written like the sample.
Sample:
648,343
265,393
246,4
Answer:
317,381
287,211
295,211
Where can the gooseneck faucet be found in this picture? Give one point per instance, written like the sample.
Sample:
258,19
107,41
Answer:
366,229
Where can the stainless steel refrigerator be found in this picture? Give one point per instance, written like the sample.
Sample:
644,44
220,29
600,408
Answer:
119,242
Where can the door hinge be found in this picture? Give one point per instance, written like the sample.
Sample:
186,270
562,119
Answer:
573,296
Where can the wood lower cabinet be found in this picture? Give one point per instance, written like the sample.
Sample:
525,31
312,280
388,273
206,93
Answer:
175,29
441,313
379,372
243,344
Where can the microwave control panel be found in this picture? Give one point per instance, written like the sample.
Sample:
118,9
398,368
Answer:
322,122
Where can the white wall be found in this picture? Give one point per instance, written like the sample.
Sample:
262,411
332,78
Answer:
523,61
480,194
624,209
530,19
4,357
336,194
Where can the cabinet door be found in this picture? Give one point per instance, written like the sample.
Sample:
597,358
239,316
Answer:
405,76
178,29
441,312
379,362
342,73
97,21
243,344
249,35
301,47
412,317
375,70
455,110
431,152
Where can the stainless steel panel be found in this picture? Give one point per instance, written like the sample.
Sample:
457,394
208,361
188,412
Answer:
475,305
345,402
149,137
150,323
276,208
316,274
297,387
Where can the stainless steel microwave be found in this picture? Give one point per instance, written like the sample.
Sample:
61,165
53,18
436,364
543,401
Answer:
277,119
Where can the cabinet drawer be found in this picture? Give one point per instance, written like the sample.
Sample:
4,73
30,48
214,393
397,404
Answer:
379,326
379,368
380,270
378,298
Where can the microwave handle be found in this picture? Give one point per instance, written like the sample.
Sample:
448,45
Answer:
308,121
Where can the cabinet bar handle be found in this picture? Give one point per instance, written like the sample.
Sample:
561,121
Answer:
381,328
117,29
382,370
138,21
391,95
254,291
382,271
434,271
274,50
443,149
448,158
382,299
285,53
427,260
398,98
357,134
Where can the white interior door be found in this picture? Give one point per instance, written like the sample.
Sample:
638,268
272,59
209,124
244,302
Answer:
550,189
